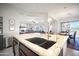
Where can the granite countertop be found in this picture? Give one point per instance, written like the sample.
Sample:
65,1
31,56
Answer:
52,51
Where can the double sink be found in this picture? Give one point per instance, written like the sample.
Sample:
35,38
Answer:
42,42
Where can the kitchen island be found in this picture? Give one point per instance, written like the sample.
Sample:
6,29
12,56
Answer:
54,50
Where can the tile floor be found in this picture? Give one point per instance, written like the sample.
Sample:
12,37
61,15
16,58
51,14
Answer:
71,52
6,52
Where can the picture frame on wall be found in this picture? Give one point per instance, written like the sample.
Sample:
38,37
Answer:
12,27
11,24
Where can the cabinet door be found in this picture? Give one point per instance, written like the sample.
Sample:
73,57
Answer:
1,42
15,47
1,25
25,51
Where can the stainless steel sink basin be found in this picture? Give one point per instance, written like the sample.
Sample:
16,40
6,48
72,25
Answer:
42,42
36,40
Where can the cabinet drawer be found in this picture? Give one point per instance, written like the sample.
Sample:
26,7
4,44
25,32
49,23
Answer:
26,50
21,53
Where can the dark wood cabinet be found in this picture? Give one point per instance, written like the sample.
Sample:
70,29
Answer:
22,49
1,42
25,51
1,33
15,47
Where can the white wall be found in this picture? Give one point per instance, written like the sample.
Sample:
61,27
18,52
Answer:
21,16
9,12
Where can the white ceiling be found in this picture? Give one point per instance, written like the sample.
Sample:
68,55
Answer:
55,10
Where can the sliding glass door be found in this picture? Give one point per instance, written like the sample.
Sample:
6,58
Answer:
68,26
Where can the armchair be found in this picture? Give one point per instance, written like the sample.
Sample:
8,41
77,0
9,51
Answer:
72,36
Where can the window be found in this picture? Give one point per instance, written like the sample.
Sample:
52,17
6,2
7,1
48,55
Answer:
67,26
74,25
